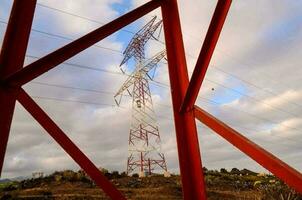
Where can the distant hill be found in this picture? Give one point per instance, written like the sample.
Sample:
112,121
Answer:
20,178
6,180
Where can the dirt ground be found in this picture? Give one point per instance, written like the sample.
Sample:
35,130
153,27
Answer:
72,185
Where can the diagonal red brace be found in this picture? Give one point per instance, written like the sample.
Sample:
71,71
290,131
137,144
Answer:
53,59
11,60
58,135
286,173
206,53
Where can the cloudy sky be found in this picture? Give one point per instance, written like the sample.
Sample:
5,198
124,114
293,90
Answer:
255,73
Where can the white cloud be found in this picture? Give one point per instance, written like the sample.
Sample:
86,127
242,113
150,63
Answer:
284,98
251,47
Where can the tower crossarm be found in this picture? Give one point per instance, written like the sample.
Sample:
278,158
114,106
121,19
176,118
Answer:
140,72
130,80
151,63
135,41
135,46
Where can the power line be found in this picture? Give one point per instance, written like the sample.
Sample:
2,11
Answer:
239,62
67,38
164,86
82,89
237,77
110,93
248,83
71,39
253,115
87,19
71,87
217,103
63,37
101,92
97,69
284,140
73,101
112,105
86,90
101,70
252,84
98,22
80,16
90,103
253,98
212,102
215,67
161,84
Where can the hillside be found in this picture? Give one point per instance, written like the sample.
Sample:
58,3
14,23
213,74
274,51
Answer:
237,184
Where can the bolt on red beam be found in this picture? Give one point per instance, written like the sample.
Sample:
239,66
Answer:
205,54
59,136
279,168
193,185
11,60
55,58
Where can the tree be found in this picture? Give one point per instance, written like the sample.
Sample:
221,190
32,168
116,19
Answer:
115,174
205,169
124,174
235,171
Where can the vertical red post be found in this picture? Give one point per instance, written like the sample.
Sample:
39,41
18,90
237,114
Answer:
186,133
11,60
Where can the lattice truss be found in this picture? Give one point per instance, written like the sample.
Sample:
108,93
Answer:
144,139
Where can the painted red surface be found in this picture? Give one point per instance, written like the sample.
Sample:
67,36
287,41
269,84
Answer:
12,77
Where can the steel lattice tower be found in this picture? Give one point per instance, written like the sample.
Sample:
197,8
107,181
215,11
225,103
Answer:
184,91
144,139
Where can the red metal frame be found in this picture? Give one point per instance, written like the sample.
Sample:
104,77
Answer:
70,148
186,133
206,53
55,58
11,60
289,175
184,93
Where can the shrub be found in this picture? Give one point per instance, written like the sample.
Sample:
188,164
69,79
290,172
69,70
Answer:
235,171
115,174
124,174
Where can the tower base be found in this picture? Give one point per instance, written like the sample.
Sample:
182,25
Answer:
167,174
142,174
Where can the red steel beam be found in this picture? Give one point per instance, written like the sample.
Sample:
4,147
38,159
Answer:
186,134
11,60
53,59
205,54
59,136
286,173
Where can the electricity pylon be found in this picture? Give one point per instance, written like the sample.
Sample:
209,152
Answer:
144,147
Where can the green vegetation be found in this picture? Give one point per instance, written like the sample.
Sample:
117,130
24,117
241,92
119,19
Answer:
9,186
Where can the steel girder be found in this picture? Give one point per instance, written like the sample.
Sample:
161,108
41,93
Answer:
184,93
